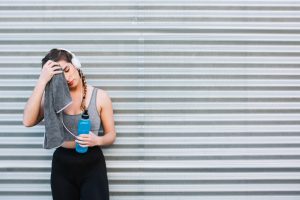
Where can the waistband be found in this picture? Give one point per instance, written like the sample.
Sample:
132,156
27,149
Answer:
71,157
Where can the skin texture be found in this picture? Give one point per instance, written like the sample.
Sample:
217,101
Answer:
34,114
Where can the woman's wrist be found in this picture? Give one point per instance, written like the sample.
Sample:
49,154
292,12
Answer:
42,82
99,141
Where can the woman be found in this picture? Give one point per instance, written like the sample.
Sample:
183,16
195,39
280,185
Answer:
74,175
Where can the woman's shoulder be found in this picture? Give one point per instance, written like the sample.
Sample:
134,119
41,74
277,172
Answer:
102,97
100,91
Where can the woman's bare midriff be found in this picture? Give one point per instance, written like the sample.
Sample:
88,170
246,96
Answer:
69,144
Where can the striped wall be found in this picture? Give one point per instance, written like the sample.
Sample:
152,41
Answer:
205,95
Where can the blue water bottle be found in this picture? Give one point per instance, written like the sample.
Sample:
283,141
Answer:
84,126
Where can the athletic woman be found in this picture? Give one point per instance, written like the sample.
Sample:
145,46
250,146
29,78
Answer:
75,176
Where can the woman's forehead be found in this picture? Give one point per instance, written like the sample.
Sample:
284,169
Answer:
63,63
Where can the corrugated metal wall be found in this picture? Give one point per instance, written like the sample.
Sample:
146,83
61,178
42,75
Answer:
205,95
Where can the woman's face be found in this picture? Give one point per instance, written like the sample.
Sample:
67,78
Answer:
71,73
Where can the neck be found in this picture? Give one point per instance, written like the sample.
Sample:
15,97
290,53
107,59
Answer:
77,93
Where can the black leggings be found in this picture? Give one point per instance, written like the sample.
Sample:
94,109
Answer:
76,176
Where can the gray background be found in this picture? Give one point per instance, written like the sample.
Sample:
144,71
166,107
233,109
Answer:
205,95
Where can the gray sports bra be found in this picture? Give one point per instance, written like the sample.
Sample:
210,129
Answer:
71,121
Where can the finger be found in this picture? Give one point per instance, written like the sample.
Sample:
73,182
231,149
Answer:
54,64
57,72
84,135
83,138
47,64
56,67
86,140
79,138
81,142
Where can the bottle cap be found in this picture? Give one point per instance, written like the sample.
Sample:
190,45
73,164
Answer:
85,114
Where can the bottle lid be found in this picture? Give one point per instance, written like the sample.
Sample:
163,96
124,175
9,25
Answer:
85,114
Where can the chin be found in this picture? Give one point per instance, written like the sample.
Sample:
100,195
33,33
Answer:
74,85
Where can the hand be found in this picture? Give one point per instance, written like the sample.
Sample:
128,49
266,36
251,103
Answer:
50,68
87,140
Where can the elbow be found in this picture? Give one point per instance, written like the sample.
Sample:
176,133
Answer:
114,138
26,123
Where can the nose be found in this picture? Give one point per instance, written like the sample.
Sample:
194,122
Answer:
67,77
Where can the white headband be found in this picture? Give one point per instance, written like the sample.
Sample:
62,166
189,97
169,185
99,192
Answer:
74,60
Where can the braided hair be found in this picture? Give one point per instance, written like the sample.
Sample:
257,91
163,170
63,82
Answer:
57,55
83,105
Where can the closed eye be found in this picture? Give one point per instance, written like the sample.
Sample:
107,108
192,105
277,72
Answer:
67,69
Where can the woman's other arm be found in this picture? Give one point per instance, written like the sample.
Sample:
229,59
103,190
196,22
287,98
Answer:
107,118
108,122
34,108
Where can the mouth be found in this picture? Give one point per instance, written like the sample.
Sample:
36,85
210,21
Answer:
71,82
